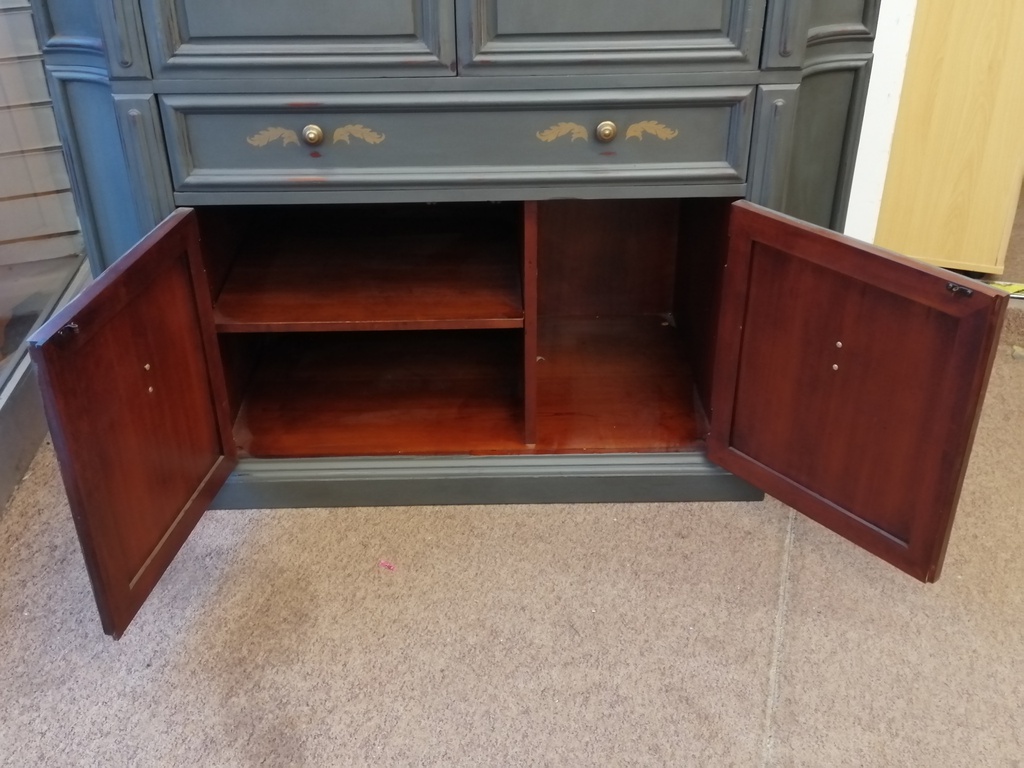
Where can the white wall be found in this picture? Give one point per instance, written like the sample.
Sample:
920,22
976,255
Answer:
895,24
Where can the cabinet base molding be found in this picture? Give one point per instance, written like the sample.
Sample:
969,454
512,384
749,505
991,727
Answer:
399,481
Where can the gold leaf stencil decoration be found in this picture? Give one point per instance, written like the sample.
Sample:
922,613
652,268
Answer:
559,130
268,135
656,129
368,135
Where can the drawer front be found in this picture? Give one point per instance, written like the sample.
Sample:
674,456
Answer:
672,136
540,36
293,38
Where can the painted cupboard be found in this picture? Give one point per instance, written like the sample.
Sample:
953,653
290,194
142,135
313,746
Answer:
474,252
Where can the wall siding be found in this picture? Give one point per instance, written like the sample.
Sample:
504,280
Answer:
37,213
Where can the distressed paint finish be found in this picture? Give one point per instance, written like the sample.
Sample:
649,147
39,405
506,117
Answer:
299,38
170,59
535,36
794,28
666,136
830,42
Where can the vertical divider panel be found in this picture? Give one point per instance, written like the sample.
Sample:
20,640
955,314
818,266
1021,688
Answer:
530,247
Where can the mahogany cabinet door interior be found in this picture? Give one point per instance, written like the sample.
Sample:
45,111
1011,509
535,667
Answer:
135,398
848,382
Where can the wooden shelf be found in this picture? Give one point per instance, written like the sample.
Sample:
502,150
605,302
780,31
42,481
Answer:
617,384
603,386
367,394
381,281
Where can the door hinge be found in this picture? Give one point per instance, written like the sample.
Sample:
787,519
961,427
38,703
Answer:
959,290
66,334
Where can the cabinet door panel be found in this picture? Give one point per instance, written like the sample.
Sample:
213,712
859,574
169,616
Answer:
311,38
536,36
136,405
848,382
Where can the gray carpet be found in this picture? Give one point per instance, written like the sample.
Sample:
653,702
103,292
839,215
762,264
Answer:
646,634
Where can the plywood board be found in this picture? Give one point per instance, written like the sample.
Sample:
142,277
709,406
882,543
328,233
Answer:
958,153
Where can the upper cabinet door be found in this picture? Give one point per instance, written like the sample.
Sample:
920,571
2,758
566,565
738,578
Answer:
542,37
261,39
135,398
848,382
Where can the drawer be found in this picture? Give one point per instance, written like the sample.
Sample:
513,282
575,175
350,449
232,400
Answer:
523,141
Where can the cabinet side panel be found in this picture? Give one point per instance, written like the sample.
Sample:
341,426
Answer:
145,156
825,137
96,163
772,145
124,40
703,247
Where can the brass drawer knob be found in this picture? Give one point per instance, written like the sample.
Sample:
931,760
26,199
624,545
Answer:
606,131
313,134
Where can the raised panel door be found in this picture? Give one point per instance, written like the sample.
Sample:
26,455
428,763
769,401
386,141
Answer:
137,408
848,382
538,36
299,38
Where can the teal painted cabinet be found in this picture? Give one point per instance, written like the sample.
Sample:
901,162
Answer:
534,36
457,100
299,38
455,251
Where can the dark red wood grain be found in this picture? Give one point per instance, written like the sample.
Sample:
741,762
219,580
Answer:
137,407
412,392
849,382
530,322
385,281
604,385
703,246
615,384
606,257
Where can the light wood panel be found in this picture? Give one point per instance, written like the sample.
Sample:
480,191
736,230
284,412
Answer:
958,152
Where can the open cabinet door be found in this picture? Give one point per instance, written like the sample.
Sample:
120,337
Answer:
848,382
134,396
